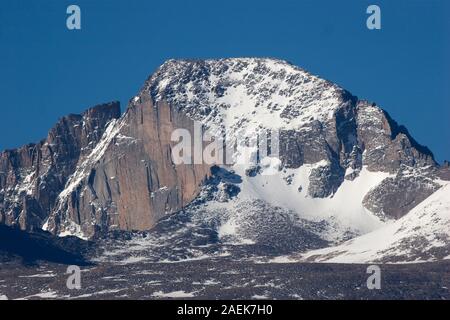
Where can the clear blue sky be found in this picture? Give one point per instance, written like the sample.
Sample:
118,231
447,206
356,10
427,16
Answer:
47,71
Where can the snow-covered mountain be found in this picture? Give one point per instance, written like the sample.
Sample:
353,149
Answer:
344,170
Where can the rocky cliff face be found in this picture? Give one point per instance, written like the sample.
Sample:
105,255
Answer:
100,171
129,181
32,176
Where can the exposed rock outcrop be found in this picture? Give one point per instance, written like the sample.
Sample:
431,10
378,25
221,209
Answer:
129,181
394,197
32,176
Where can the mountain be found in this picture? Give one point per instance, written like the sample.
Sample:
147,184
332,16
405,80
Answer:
32,177
344,169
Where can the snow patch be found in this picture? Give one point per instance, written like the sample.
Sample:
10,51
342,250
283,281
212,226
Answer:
174,294
411,238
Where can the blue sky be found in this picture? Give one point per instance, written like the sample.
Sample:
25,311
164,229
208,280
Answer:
47,71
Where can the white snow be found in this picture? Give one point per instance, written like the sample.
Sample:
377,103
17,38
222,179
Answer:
174,294
197,258
270,166
425,227
87,295
257,92
228,229
26,184
45,294
40,275
45,226
132,260
123,139
345,207
72,229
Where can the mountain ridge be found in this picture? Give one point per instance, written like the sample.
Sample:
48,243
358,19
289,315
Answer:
329,141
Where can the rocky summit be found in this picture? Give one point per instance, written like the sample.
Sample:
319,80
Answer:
349,184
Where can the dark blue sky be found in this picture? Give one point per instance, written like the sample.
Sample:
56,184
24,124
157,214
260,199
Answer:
47,71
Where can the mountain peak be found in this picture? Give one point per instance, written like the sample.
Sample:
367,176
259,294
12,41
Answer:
269,92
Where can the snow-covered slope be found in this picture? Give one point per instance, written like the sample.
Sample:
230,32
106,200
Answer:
342,215
422,235
245,93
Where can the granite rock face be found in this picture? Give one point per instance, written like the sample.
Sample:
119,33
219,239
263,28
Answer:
32,176
98,172
130,181
396,196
